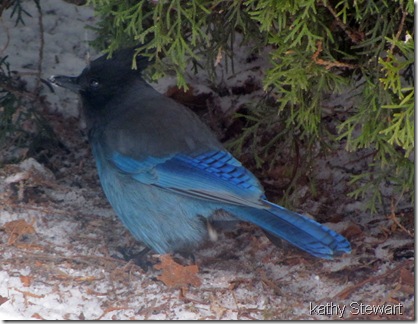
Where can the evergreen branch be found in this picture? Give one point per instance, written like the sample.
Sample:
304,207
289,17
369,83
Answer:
355,36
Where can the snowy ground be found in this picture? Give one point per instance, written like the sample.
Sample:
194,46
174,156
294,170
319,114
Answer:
60,240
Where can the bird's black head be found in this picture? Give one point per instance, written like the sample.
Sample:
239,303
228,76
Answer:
104,77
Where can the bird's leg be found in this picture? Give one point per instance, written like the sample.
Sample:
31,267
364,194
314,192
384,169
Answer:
189,256
140,259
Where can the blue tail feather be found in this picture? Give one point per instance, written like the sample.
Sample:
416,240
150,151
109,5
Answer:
299,230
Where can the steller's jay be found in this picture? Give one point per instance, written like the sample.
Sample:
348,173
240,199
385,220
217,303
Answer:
165,173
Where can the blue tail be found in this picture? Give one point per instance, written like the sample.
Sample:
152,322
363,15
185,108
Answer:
298,230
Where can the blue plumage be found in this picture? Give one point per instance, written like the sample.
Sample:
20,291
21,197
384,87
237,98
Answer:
164,172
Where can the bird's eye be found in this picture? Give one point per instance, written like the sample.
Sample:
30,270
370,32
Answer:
94,83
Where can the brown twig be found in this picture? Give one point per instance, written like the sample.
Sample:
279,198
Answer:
328,64
355,36
398,34
7,35
392,217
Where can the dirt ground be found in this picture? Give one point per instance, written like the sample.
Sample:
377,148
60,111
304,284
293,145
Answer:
61,243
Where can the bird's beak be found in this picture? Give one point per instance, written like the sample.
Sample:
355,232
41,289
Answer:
70,83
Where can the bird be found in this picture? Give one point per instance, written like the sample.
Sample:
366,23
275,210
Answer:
165,173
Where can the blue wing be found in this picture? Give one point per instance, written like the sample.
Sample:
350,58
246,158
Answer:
214,175
217,176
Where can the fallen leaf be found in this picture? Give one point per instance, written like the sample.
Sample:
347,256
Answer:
37,264
407,277
352,231
37,316
3,300
26,280
406,282
15,229
175,275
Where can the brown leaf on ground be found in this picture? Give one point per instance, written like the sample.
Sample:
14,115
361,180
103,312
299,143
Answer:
15,229
175,275
26,280
3,300
407,277
37,316
352,231
407,281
